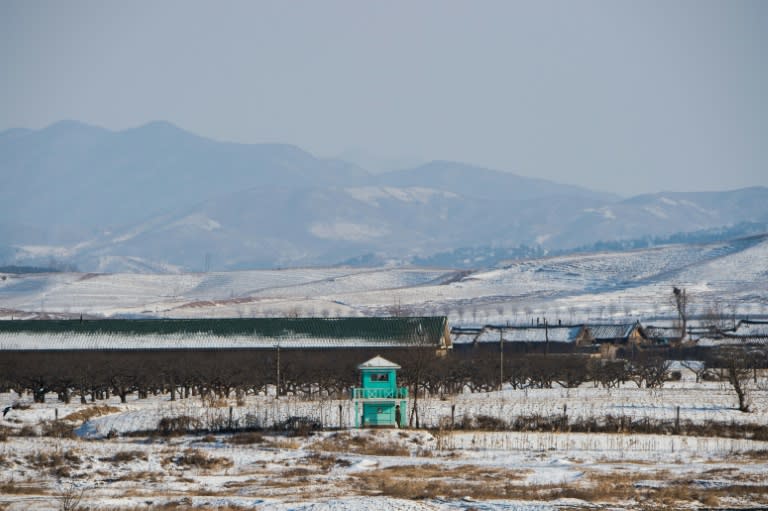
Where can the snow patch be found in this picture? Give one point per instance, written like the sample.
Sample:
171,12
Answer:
606,213
372,194
197,220
698,208
347,231
655,211
668,201
45,251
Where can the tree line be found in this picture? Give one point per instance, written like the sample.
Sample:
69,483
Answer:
330,373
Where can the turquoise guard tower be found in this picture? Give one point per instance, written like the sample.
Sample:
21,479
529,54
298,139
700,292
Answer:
379,401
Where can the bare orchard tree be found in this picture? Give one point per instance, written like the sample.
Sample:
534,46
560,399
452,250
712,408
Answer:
718,318
420,355
738,363
649,369
697,367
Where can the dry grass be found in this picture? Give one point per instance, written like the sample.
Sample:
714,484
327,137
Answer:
90,412
250,437
142,477
663,490
757,455
195,458
57,429
669,492
361,444
432,480
282,443
23,488
58,463
325,462
126,456
27,431
297,472
181,505
44,459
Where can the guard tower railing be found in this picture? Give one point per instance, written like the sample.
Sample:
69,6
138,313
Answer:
398,393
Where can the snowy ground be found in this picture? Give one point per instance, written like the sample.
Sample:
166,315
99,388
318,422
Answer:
347,469
392,469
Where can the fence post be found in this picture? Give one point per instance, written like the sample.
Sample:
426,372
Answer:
677,420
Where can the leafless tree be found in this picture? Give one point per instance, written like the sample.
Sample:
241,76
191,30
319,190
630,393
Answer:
415,367
738,365
608,373
716,317
69,497
696,367
649,369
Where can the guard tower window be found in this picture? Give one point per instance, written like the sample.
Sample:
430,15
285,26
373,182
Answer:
380,377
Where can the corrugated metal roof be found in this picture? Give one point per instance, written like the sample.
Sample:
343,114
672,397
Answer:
221,333
661,332
752,328
620,331
493,334
757,340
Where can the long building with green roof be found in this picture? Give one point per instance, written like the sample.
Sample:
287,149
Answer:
235,333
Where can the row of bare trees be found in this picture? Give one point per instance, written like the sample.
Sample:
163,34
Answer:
218,374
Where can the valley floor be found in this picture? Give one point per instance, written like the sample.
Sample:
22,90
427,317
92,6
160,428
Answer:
104,456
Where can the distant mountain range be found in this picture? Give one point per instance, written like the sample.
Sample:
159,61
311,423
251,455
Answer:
157,198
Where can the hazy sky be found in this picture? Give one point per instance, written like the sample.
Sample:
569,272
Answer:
624,96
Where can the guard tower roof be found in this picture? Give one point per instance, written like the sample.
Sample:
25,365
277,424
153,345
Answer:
378,362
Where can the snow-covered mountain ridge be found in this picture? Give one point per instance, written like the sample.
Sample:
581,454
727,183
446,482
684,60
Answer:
158,198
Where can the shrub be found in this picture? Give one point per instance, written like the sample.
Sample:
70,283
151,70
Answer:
126,456
299,426
27,430
171,426
489,423
59,463
199,459
250,437
58,429
360,444
90,412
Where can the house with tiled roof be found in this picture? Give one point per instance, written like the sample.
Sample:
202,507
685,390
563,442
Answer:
663,335
744,333
622,333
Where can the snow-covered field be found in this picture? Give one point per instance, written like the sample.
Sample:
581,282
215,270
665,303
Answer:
576,288
389,469
439,469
